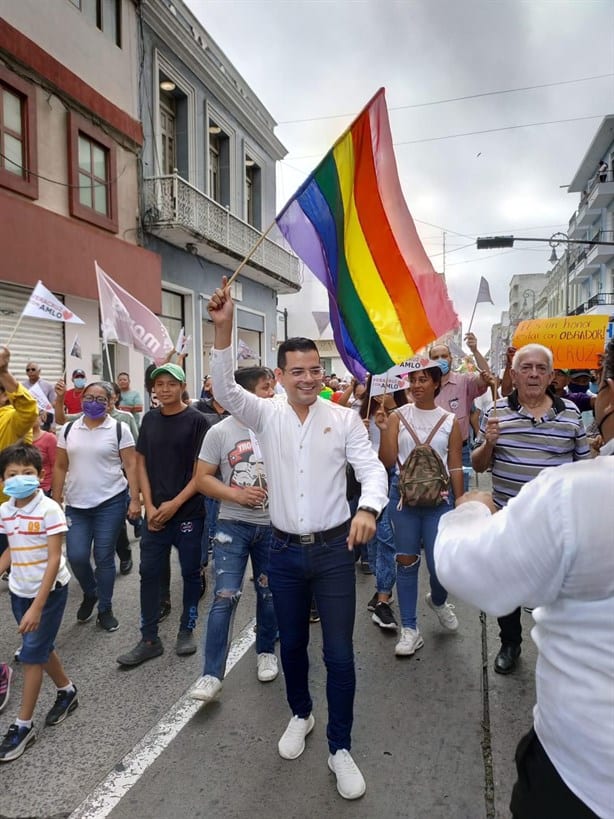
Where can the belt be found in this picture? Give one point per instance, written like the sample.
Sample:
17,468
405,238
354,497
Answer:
313,537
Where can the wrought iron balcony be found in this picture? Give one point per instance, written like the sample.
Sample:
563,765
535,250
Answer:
598,300
181,214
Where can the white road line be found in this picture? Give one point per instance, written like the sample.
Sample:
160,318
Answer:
129,770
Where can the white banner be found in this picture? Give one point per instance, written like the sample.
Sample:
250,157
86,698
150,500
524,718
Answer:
128,321
43,304
397,377
41,399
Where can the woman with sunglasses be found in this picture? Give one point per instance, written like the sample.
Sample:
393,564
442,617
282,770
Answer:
95,466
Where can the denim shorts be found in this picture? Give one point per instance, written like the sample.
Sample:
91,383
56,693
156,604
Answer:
38,645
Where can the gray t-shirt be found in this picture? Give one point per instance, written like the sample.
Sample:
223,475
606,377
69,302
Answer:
234,448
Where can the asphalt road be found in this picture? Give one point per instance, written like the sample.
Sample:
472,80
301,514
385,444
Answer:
434,734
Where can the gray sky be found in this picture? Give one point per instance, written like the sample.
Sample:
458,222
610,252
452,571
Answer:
313,59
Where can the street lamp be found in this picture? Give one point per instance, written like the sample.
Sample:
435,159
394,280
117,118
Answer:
525,294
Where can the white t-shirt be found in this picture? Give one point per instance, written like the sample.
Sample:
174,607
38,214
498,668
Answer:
94,464
26,528
422,422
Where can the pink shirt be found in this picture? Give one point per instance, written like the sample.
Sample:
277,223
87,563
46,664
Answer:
47,443
457,396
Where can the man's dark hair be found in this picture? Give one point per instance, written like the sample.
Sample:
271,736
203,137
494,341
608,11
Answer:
22,455
298,344
248,377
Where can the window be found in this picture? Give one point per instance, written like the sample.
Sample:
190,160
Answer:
168,137
250,338
219,165
92,174
17,135
105,15
173,312
252,193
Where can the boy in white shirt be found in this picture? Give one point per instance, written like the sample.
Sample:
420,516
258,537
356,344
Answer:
38,584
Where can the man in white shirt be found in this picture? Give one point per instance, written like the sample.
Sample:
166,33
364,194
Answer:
306,444
551,548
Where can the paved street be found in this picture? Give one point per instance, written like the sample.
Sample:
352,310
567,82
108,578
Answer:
434,734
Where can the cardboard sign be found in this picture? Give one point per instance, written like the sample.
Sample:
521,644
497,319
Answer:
575,341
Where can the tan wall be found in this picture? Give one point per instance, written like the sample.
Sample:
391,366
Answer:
63,31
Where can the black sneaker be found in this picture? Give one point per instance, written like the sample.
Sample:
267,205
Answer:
374,601
107,621
86,609
364,567
314,615
65,704
185,644
141,652
125,566
165,610
15,742
383,616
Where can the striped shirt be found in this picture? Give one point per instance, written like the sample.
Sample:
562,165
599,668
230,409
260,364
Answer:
527,445
27,528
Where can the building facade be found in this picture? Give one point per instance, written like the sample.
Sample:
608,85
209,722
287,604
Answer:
208,187
70,140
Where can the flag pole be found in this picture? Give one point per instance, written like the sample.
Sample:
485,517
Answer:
473,314
251,253
15,328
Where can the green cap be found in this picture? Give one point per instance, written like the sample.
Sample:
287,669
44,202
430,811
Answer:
174,370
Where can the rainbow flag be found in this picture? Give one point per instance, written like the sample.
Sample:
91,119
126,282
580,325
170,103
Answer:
351,226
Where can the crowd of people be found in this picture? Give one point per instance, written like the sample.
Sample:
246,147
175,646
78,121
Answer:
238,474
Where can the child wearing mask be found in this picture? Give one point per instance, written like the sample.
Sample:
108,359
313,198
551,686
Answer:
38,584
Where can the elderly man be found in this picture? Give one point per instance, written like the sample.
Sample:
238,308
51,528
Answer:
551,548
459,391
526,432
313,537
41,390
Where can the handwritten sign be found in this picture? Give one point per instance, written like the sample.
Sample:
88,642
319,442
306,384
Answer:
575,341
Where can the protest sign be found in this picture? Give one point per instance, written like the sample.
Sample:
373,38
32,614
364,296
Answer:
575,341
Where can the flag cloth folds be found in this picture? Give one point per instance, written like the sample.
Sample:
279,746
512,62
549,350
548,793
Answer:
351,226
128,321
43,304
484,292
75,350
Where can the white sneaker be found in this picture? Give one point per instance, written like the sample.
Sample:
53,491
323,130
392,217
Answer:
445,614
206,689
292,743
267,667
411,640
350,782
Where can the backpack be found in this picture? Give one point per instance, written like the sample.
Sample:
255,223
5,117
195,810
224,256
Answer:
423,480
118,429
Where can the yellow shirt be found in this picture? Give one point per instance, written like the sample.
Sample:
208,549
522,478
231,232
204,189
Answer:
16,419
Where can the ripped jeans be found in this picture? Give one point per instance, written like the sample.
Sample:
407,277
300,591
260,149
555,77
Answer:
233,543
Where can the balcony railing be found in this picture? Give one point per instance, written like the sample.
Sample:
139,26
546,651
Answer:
183,215
597,300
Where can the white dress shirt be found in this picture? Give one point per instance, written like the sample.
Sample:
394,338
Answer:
552,548
305,462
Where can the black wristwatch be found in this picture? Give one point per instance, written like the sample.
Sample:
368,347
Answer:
369,509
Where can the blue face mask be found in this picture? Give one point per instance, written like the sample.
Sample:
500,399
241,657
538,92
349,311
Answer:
444,365
21,486
79,383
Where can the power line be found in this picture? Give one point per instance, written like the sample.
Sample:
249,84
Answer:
456,99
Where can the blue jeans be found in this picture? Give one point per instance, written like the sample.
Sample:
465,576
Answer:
414,526
326,571
37,645
466,463
100,524
212,508
234,542
381,550
185,535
